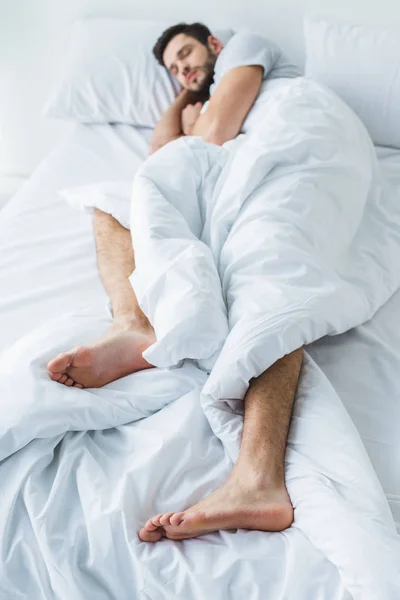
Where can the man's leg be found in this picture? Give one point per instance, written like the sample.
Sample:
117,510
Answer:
255,496
119,352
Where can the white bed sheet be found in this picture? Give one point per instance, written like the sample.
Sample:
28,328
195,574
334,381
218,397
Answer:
48,268
364,367
47,259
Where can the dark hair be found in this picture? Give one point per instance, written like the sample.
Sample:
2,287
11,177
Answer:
198,31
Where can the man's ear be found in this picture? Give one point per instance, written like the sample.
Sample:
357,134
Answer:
214,44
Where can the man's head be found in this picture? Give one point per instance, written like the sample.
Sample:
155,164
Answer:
189,52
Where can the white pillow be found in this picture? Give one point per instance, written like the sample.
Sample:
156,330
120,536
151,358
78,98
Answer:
362,65
109,74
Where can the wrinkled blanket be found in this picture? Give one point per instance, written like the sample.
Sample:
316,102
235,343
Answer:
243,254
247,252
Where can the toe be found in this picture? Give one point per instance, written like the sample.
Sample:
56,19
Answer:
78,385
63,378
154,522
199,520
164,520
59,364
150,536
180,536
69,382
56,376
176,518
151,525
193,516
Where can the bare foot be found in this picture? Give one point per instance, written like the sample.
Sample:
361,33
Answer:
111,357
232,506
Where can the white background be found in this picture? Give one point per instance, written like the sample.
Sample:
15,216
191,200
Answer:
32,31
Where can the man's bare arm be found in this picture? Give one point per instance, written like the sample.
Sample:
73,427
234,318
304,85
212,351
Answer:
225,114
229,105
169,126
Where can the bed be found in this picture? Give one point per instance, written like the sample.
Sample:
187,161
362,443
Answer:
82,470
81,545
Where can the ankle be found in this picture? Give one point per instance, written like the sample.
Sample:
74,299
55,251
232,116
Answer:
258,479
132,321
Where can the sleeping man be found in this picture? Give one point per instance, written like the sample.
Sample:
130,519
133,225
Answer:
255,496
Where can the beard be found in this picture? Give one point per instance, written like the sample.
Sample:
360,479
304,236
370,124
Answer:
203,91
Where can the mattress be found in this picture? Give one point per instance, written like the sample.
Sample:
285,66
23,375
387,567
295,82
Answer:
48,269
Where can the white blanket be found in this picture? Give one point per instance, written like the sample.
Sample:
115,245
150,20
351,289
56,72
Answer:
243,254
293,229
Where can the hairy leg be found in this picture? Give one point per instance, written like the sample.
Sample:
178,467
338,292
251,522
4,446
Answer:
116,262
119,352
255,496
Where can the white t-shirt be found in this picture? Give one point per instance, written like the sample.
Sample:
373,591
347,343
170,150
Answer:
245,49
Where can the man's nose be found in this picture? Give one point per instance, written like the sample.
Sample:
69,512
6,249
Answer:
184,68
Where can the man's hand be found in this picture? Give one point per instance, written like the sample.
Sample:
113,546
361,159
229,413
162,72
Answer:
190,114
170,125
225,114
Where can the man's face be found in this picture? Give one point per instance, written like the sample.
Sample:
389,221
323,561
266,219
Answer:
191,62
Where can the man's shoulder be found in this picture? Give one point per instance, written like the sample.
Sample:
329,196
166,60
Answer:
245,48
248,40
250,48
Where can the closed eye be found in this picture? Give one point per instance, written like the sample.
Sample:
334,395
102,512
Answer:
183,53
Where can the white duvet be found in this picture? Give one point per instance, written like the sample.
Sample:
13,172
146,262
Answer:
243,254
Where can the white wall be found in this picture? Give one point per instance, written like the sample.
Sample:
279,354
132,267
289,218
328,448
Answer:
31,33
